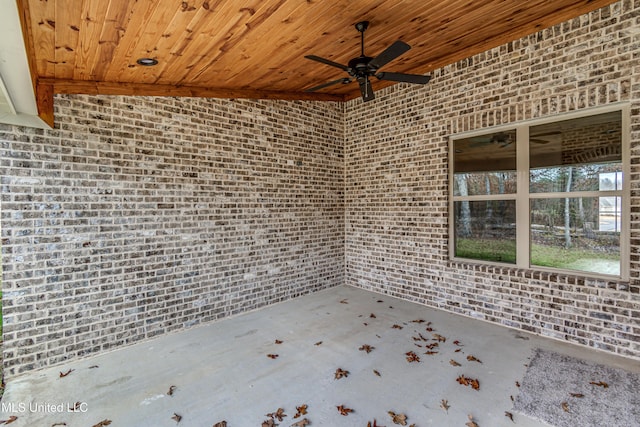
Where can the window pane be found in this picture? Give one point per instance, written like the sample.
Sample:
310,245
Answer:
610,181
485,230
586,140
473,184
485,164
576,234
590,177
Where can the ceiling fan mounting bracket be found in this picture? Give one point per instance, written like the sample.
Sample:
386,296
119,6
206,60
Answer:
362,26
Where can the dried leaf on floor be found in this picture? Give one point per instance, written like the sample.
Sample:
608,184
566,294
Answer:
177,418
278,341
471,422
565,406
64,374
375,424
269,423
379,301
58,424
341,373
272,356
577,395
93,366
344,301
302,423
517,384
373,316
457,350
318,343
466,381
454,363
279,414
398,418
396,326
430,353
418,321
432,345
102,423
302,410
444,404
600,384
509,415
439,338
220,424
344,410
367,348
170,392
377,373
472,358
11,419
412,356
457,342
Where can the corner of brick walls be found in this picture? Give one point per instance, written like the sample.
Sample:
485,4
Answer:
396,155
140,216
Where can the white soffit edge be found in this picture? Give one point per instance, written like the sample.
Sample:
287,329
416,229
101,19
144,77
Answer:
17,99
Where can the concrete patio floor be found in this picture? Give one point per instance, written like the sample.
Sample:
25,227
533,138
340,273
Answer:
222,371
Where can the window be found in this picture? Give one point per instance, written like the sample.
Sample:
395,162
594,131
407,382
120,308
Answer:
548,194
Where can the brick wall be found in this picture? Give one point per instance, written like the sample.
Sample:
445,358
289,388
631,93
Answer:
140,216
396,155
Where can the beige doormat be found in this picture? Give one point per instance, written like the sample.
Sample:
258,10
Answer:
567,392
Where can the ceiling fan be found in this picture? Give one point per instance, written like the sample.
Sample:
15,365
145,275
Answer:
502,139
363,67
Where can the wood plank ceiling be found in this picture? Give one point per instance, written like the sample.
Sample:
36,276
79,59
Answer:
256,48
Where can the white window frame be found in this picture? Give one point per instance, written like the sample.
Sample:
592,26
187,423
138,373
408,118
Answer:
522,196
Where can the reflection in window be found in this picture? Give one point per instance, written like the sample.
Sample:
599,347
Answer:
574,195
486,230
610,212
564,235
579,155
485,166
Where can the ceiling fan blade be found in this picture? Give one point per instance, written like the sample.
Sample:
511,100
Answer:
551,133
407,78
539,141
327,84
389,54
365,89
328,62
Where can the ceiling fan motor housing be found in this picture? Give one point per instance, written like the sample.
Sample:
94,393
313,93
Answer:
359,67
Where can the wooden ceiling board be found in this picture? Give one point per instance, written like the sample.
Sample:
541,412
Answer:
148,18
285,48
42,28
234,46
65,53
93,15
251,21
